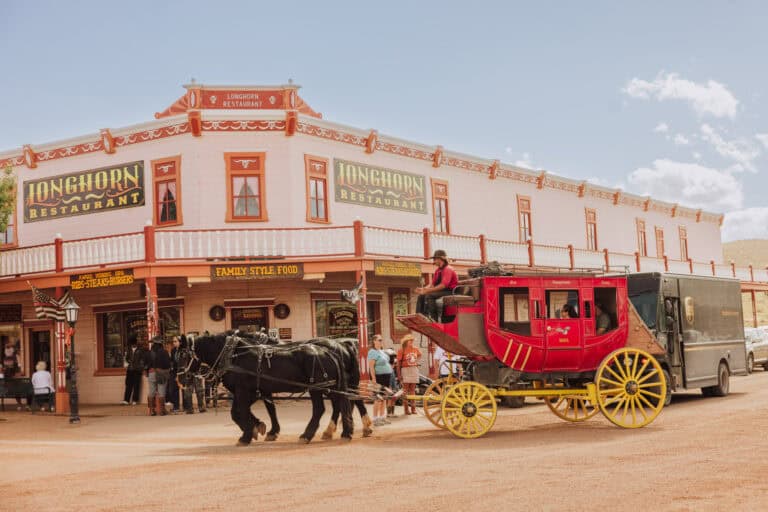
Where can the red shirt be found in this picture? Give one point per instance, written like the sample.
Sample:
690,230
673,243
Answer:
409,358
447,276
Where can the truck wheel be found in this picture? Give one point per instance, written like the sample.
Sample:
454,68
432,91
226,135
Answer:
723,383
668,380
750,363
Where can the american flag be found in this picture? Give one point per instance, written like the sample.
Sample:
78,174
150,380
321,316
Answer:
48,307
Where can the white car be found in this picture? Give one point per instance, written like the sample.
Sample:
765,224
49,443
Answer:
757,347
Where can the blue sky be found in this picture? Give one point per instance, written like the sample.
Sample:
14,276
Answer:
659,98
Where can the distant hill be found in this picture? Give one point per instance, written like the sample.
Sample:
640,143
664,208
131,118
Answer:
746,252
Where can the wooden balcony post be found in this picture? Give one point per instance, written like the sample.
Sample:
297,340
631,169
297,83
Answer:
571,258
754,308
149,243
483,254
427,245
359,238
712,264
751,275
733,268
58,245
607,260
666,263
531,261
637,260
690,265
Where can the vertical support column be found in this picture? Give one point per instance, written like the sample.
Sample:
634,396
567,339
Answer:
427,244
637,260
754,308
752,275
733,268
607,260
149,243
483,254
712,264
60,370
690,265
666,263
357,228
58,246
150,288
531,261
571,257
362,325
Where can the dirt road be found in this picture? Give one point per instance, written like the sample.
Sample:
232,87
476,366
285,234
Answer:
700,454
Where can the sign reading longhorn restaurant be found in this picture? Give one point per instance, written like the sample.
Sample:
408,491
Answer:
108,188
365,185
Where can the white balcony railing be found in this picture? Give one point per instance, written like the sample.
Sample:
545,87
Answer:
93,252
588,259
679,267
743,274
510,253
41,258
622,262
465,248
651,265
393,242
551,256
242,243
702,269
723,271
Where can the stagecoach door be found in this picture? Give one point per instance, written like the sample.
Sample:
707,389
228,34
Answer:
562,331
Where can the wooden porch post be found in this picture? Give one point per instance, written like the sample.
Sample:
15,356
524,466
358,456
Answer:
362,325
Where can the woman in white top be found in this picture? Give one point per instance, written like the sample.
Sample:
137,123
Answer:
42,382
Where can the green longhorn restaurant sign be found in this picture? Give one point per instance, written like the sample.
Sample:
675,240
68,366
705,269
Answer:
366,185
98,190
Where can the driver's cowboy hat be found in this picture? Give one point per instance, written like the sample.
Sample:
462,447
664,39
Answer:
441,255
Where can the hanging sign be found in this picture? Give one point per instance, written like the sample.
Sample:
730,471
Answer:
260,271
364,185
396,269
80,193
101,279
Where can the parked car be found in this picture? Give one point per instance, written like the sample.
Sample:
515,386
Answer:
757,347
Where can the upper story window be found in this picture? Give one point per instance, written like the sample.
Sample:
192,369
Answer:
524,218
166,176
316,171
591,229
642,244
8,237
659,242
441,218
683,243
246,198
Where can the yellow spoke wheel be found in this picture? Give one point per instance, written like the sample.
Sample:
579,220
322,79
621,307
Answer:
468,409
630,387
571,408
433,400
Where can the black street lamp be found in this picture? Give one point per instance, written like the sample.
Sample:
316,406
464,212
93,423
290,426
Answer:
71,310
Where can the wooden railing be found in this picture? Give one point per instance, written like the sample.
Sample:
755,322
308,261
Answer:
358,241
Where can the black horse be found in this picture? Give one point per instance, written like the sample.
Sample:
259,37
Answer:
251,369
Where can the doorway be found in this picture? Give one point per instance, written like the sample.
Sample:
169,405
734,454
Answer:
250,320
40,348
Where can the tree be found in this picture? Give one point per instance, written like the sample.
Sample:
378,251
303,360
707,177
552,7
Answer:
7,196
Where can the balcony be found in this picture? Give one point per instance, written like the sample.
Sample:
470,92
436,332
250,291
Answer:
357,241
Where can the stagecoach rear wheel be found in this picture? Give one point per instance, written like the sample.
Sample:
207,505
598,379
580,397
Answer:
571,408
433,400
468,410
631,388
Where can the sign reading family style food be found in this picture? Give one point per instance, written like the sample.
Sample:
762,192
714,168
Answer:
396,269
101,279
260,271
108,188
365,185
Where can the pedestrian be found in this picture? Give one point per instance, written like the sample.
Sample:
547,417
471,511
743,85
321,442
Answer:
408,358
189,382
158,363
11,366
134,367
444,281
381,372
172,394
42,385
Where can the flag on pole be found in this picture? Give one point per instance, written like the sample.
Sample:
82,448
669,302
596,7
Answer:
48,307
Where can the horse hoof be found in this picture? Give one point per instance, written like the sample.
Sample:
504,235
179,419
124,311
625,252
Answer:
242,443
271,437
303,440
367,432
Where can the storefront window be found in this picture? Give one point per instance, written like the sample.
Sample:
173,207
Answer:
120,329
250,319
338,319
13,356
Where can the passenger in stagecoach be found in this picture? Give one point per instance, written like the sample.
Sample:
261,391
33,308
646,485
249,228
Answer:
569,311
603,322
444,281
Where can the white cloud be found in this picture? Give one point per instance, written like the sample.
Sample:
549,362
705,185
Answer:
712,98
763,138
689,184
697,155
661,128
746,224
741,151
525,161
681,140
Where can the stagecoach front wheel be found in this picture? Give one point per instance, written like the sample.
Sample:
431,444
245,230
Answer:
468,410
630,387
571,408
433,400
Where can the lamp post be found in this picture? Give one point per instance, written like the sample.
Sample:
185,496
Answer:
71,310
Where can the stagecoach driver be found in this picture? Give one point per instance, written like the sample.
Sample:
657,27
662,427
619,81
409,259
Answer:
444,281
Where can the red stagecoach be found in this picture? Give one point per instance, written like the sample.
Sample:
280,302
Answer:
574,340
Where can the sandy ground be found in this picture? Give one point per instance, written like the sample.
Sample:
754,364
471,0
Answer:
700,454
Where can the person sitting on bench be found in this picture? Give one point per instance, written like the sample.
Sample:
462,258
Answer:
42,383
444,281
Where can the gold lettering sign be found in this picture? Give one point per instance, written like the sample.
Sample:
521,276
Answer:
84,192
260,271
364,185
396,269
101,279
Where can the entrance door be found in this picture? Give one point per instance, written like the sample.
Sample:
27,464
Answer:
40,348
250,319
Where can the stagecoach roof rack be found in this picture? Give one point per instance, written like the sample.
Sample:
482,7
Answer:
496,269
